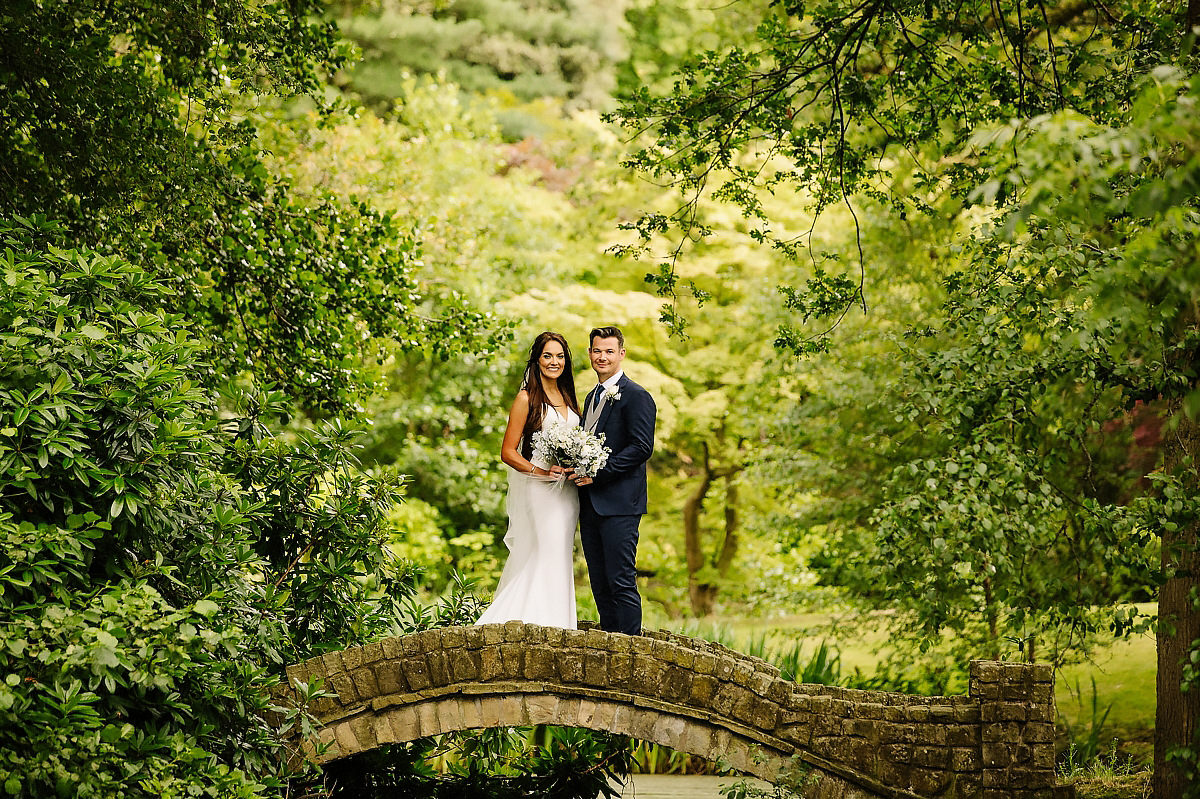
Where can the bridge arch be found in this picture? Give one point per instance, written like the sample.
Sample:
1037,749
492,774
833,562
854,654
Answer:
697,697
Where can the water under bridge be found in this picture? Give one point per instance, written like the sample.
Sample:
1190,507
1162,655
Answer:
697,697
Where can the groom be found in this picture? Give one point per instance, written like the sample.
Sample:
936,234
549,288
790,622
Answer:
612,503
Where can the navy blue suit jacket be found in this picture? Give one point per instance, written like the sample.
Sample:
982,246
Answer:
619,489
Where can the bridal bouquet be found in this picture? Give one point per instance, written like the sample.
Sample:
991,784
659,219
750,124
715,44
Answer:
571,447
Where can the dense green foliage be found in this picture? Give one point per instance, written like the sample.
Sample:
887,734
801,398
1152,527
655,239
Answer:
547,48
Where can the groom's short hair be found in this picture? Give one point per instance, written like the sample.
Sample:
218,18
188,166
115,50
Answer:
610,331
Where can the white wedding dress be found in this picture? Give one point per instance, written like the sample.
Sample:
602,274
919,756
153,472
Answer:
538,581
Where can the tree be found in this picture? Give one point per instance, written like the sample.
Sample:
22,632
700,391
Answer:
837,97
137,131
548,48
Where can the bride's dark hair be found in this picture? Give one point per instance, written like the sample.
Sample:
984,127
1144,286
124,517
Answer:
532,383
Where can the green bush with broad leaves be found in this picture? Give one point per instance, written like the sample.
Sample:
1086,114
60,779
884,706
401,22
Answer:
162,553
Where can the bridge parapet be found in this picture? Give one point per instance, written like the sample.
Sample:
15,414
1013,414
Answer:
697,697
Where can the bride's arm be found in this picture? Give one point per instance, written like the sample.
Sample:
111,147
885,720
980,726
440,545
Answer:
510,451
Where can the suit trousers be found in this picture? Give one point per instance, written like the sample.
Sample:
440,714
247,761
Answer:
610,549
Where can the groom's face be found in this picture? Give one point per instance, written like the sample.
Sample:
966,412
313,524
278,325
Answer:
606,355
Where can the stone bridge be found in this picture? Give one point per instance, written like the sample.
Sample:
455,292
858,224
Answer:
696,697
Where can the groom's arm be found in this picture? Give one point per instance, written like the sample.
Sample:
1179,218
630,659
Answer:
640,415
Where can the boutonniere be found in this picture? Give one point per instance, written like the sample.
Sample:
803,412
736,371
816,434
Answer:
612,394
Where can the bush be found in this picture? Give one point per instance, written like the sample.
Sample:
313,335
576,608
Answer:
161,557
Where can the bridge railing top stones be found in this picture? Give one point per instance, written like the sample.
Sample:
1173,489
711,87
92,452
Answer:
697,696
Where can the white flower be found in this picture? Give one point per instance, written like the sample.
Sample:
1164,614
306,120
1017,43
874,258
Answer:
612,393
571,447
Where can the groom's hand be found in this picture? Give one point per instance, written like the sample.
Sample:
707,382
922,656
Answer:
579,479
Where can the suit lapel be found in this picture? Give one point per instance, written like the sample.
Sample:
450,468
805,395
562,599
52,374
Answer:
606,409
587,416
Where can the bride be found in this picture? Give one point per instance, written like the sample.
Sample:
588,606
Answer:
537,584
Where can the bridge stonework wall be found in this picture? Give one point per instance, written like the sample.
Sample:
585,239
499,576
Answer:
697,697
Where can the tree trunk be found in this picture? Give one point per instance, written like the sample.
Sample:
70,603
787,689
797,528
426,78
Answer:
729,546
1178,624
701,598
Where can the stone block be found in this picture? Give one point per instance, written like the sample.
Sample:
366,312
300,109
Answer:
859,754
492,710
726,697
347,743
620,669
472,637
472,713
604,715
932,734
364,731
453,637
704,664
514,631
917,713
890,732
640,645
764,715
869,710
928,782
1040,732
703,689
570,667
621,643
962,735
392,647
669,730
439,668
996,755
860,728
622,722
1030,778
364,683
511,656
389,677
585,713
405,724
491,664
1001,732
936,757
642,725
799,734
681,656
464,665
449,713
941,713
1015,692
416,672
967,714
647,674
595,668
493,634
543,708
372,652
343,686
896,773
541,664
352,658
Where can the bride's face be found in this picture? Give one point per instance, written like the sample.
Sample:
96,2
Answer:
552,361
